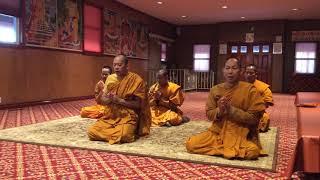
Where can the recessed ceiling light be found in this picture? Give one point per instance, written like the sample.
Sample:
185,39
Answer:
295,9
160,2
183,16
224,7
243,17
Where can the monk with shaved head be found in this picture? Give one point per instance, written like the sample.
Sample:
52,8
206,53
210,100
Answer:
127,114
264,90
96,111
165,98
234,107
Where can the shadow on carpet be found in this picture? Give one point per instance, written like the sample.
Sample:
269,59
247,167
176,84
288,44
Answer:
166,143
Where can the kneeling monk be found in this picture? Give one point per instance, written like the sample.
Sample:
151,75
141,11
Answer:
265,92
235,108
165,98
97,110
127,114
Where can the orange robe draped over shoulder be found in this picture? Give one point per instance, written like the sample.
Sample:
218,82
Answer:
234,135
266,94
120,124
171,96
95,111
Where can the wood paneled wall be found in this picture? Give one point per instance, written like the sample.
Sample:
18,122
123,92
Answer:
264,31
190,35
36,74
295,82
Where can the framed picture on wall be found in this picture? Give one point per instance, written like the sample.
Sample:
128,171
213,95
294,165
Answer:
249,37
277,48
222,48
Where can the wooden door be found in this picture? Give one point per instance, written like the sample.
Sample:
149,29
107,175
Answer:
259,54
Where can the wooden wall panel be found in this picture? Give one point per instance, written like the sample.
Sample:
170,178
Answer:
231,32
294,82
36,74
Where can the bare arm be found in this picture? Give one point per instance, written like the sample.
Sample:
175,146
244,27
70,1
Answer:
242,116
104,99
252,115
98,91
134,103
168,104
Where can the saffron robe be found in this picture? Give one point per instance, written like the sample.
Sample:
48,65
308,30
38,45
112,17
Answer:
121,124
166,109
95,111
234,135
266,94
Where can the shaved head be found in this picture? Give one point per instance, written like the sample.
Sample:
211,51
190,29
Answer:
162,77
123,58
120,65
252,67
251,73
233,59
162,72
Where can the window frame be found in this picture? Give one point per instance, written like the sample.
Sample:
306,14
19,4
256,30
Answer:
207,59
18,33
163,51
86,52
307,59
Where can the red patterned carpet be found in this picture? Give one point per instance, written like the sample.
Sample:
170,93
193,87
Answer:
19,161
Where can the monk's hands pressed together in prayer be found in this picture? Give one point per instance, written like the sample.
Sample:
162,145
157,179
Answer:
224,106
107,98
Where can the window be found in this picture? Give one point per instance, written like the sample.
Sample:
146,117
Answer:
92,28
243,49
256,49
9,29
265,48
201,56
163,52
234,49
305,58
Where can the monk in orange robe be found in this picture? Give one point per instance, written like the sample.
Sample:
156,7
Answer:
127,113
165,98
234,107
264,91
97,110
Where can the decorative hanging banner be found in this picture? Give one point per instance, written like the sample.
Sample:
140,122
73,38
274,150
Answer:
69,24
111,33
124,36
40,26
53,24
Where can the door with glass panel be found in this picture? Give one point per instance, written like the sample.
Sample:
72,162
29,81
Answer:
258,54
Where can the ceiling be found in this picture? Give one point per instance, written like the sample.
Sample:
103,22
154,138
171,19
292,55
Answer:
211,11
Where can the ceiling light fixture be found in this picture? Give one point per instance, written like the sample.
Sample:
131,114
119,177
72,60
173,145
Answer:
242,17
183,16
160,2
295,9
224,7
